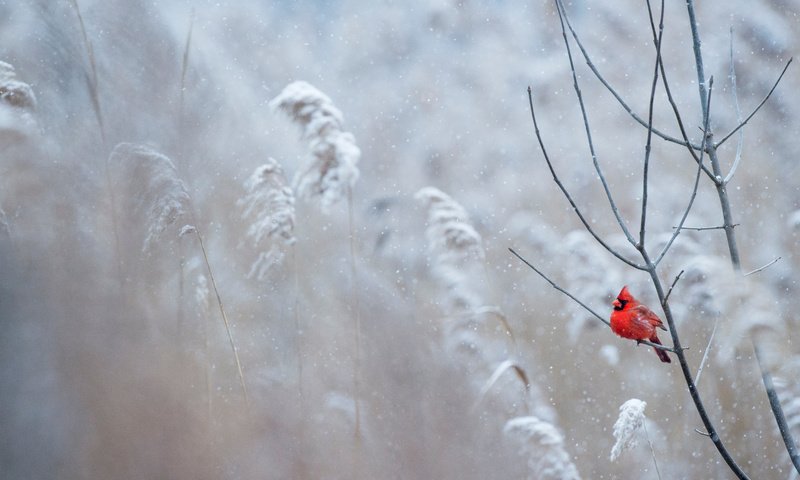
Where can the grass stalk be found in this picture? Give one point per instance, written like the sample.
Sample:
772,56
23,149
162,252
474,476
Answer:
224,318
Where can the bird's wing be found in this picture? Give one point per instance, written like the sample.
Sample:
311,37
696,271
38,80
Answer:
644,314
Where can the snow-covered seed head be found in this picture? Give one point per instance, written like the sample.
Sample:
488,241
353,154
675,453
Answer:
630,421
268,207
454,246
543,445
12,91
449,229
333,168
156,193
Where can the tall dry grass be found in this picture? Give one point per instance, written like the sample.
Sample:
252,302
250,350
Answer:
94,384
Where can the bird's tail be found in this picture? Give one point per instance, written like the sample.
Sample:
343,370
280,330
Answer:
662,354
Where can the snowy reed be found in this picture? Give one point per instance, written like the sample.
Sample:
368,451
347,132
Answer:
17,103
454,245
329,176
14,92
268,207
157,194
333,169
630,421
543,445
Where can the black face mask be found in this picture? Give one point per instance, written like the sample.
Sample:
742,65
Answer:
621,305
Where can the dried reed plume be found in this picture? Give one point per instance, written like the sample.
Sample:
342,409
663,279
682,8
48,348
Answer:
268,207
543,446
17,103
330,175
471,327
630,421
333,169
159,196
12,91
453,244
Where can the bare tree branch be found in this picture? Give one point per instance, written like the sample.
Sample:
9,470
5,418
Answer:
613,92
701,229
674,282
566,193
705,353
579,95
777,411
648,144
763,268
586,307
758,107
694,188
559,288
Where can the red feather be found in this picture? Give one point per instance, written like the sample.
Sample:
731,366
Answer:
631,319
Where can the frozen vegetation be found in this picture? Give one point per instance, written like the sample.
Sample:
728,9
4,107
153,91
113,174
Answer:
257,239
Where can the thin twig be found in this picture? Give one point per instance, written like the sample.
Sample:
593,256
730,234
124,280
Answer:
698,58
758,107
652,451
763,268
677,113
696,182
586,307
557,287
674,282
356,322
777,411
700,229
589,140
566,193
735,94
224,317
705,354
613,92
648,144
705,434
91,77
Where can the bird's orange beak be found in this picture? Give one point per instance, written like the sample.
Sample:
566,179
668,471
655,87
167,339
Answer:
616,303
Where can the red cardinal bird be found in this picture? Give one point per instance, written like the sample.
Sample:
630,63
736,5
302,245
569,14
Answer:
631,319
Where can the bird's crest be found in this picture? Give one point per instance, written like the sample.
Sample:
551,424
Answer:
624,294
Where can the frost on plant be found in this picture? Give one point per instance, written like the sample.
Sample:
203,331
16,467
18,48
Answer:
154,192
268,207
543,446
630,421
17,103
454,246
334,154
